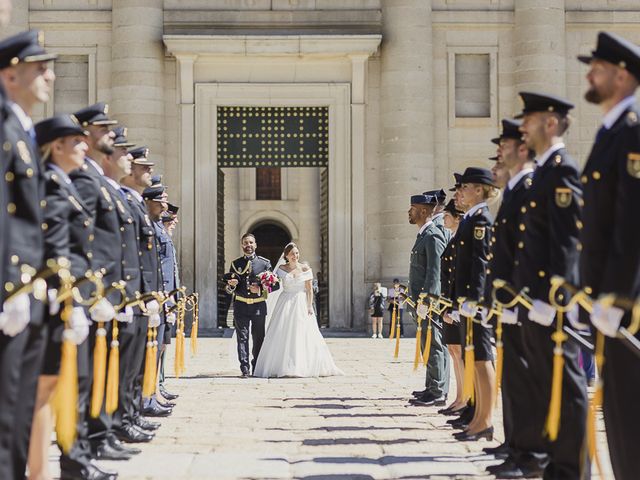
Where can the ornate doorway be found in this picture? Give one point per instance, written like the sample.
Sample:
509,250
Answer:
271,238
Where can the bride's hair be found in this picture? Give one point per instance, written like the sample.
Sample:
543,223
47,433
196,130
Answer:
287,250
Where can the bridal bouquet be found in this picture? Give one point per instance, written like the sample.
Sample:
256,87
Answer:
268,280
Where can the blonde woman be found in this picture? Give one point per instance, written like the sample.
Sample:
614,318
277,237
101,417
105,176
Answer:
376,310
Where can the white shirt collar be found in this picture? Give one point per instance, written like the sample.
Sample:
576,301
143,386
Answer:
135,194
542,159
113,183
23,118
474,209
513,181
96,166
60,172
613,115
424,227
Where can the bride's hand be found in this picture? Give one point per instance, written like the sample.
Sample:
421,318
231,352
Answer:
310,311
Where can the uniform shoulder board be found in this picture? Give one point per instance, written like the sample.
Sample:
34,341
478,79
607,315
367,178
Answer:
23,151
120,206
75,203
262,258
105,194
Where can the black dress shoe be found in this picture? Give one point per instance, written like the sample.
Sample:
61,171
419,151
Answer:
88,471
502,449
130,434
146,424
507,464
487,434
419,393
118,445
156,411
168,395
166,404
104,451
430,402
509,470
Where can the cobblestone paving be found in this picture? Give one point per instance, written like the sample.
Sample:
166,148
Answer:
354,427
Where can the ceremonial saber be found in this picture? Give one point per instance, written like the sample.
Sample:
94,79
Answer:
583,298
523,299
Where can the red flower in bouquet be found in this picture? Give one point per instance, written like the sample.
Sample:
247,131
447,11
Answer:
268,280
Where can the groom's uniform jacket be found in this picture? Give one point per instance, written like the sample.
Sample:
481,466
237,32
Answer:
247,270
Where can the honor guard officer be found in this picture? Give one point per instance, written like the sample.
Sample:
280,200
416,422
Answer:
116,166
524,446
548,246
93,187
134,185
155,198
249,307
424,277
610,239
27,80
69,234
472,249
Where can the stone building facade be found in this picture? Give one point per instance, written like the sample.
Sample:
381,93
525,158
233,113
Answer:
414,90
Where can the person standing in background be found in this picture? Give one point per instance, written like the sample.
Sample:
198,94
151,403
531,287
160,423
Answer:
376,310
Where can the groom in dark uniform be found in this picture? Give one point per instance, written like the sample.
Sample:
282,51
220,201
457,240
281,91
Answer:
249,306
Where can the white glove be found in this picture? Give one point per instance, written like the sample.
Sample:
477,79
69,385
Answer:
102,311
573,316
606,318
509,317
79,325
17,313
542,313
468,309
54,305
456,316
422,310
153,307
154,320
171,318
484,321
125,316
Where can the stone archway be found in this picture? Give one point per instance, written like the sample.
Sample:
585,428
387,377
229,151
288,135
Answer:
271,238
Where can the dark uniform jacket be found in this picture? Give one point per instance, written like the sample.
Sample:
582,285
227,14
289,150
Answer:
167,258
505,235
4,163
472,249
610,258
424,265
25,197
132,273
447,269
147,244
549,226
247,271
107,248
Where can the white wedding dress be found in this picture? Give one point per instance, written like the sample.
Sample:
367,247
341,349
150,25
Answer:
293,345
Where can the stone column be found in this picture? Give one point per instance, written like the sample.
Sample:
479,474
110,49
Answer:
407,160
137,72
539,35
19,19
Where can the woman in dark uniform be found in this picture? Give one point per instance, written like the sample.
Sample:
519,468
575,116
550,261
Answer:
472,248
68,234
451,337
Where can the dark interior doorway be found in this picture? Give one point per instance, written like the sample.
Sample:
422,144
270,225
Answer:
271,239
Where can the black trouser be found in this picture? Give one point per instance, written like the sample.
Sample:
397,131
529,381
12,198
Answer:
437,371
568,458
100,427
243,323
526,444
27,390
80,453
134,408
621,378
12,352
127,337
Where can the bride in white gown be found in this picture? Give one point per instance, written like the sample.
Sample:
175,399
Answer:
293,345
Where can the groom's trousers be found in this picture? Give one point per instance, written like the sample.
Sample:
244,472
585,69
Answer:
243,324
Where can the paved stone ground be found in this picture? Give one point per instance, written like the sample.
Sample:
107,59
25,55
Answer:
354,427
